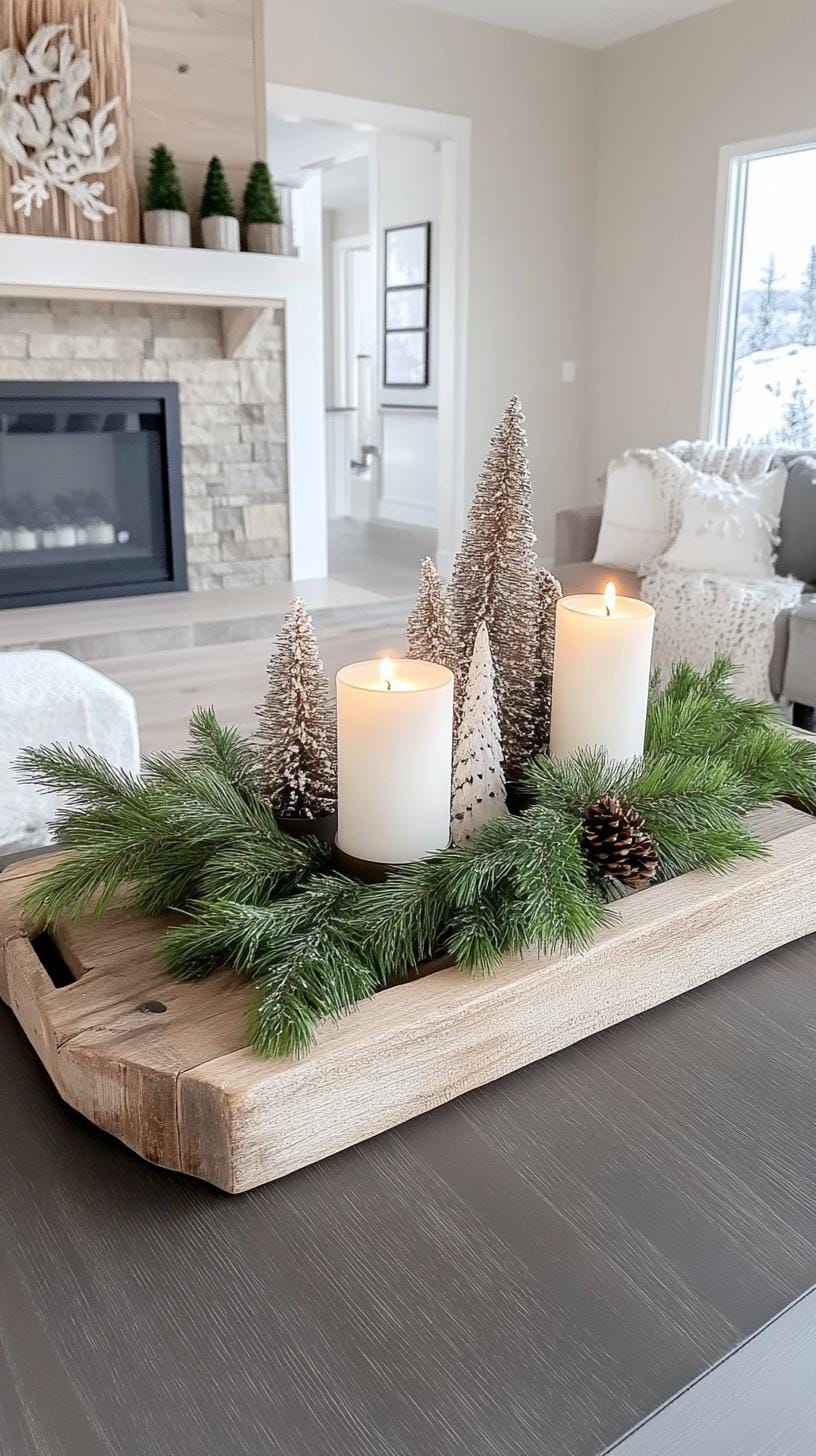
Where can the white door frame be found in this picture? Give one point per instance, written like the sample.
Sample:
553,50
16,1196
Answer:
341,249
308,493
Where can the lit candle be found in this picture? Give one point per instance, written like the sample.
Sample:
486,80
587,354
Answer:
394,750
603,654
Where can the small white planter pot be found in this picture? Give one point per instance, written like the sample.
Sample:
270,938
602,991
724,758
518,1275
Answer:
221,233
48,538
101,533
6,540
81,535
24,540
267,237
66,535
164,228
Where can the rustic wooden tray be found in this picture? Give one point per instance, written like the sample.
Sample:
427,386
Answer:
165,1065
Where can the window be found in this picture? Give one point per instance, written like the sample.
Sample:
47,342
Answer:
765,366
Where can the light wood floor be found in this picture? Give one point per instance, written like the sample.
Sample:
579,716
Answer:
161,647
230,676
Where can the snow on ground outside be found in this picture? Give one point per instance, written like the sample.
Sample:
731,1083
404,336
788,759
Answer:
763,386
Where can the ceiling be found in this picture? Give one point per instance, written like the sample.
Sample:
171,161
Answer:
298,147
593,23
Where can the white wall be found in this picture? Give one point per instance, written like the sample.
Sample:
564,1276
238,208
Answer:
668,101
407,192
532,103
349,222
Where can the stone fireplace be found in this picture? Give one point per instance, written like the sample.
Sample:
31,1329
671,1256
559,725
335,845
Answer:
232,422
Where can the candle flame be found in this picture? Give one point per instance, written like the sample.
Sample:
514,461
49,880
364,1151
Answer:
387,673
610,598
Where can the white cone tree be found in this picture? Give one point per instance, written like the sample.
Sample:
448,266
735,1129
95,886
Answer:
296,739
479,793
495,582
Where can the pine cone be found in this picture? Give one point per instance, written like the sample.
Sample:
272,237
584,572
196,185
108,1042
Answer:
617,843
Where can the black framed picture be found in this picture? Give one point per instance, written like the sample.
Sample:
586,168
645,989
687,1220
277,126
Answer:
407,310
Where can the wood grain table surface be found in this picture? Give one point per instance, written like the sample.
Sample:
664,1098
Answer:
532,1270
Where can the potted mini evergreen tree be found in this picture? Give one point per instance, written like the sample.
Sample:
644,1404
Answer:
265,229
219,225
166,220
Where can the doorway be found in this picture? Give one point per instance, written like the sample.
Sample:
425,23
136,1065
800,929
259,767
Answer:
394,244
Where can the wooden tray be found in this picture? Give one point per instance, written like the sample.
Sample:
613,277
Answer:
165,1065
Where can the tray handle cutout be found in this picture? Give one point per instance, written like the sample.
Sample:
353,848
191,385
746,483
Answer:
51,959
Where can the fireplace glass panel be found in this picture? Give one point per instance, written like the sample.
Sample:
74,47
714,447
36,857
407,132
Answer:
86,489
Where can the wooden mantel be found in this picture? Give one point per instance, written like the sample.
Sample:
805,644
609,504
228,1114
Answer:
67,268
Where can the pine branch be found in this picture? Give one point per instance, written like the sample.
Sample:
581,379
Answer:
696,714
79,774
521,882
223,749
305,966
693,808
192,825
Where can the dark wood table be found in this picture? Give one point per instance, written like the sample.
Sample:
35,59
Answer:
532,1270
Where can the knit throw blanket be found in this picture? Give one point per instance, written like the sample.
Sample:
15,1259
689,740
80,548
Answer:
699,616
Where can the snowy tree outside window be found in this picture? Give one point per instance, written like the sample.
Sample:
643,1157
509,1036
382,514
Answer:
765,389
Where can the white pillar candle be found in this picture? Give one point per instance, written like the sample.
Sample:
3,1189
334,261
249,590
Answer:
603,655
394,750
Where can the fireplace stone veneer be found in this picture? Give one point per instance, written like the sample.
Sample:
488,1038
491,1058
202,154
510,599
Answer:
233,442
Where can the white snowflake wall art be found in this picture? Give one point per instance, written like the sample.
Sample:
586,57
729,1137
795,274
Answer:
43,127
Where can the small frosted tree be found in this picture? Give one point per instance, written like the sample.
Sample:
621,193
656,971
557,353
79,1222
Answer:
806,331
479,792
495,582
549,592
765,326
798,423
430,634
296,754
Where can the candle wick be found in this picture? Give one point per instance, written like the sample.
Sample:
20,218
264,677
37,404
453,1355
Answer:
609,611
387,685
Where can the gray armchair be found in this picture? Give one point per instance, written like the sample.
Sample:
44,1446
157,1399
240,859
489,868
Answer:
792,669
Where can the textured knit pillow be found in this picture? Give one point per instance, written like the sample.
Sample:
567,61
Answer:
634,525
729,527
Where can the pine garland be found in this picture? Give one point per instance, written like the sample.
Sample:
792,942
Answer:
193,834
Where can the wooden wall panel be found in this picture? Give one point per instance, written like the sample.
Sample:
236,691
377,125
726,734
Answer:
101,27
194,85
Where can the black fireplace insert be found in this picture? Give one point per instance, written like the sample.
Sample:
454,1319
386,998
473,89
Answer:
90,492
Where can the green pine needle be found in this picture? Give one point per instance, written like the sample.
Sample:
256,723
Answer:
194,834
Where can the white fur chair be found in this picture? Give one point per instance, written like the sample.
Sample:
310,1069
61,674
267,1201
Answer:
47,697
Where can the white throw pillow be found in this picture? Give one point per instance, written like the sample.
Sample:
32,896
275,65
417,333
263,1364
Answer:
634,525
730,526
